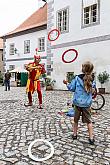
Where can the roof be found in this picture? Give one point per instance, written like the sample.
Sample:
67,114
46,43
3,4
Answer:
37,19
1,43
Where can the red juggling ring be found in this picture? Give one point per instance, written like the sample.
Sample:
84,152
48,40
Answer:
68,51
50,34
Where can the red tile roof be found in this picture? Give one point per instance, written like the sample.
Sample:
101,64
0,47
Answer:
38,18
1,43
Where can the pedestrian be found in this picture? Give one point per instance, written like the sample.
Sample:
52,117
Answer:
82,86
35,70
7,80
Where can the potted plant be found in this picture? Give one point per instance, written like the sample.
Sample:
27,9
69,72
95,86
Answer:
49,83
102,78
42,80
70,76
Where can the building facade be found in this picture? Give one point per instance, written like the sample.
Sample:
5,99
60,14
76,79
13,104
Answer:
1,55
83,26
84,29
20,44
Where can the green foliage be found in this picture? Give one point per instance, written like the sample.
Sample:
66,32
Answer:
44,75
49,82
1,78
70,76
103,77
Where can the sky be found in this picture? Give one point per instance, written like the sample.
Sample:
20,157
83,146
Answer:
15,12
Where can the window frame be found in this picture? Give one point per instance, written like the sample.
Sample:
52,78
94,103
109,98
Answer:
11,50
2,57
91,23
62,23
12,68
25,44
40,45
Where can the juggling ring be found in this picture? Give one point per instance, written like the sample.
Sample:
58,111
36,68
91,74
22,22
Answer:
68,51
40,159
51,32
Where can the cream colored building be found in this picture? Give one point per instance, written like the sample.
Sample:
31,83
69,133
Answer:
84,26
20,44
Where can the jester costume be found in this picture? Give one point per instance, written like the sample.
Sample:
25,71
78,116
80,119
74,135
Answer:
33,82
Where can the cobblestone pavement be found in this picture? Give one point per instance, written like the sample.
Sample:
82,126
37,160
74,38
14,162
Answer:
19,126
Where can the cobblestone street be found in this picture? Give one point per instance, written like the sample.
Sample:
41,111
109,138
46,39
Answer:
19,126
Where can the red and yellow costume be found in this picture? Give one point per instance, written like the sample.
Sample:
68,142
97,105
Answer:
33,82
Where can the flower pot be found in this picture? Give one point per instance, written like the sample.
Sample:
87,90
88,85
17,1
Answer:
48,88
102,90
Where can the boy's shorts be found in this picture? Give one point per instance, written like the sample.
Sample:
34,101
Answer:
86,114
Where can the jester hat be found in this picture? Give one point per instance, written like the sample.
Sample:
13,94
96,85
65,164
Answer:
37,56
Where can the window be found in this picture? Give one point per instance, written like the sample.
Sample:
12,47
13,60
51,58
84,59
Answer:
11,67
90,14
63,20
41,43
27,46
2,56
12,49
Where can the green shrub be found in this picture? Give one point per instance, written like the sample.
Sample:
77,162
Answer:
49,82
103,77
70,76
1,78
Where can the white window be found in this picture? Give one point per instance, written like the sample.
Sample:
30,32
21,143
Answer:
41,43
63,20
11,67
90,12
12,49
27,46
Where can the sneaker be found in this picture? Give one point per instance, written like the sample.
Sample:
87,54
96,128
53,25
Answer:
61,113
91,141
29,104
39,107
74,137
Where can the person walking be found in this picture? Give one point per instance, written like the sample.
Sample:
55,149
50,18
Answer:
7,80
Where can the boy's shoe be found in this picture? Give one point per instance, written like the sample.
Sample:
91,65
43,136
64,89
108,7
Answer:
74,137
61,113
91,141
40,106
29,104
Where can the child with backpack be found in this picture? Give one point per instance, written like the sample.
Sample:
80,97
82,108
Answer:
83,86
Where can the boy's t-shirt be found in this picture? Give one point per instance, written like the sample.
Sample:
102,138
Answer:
81,98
